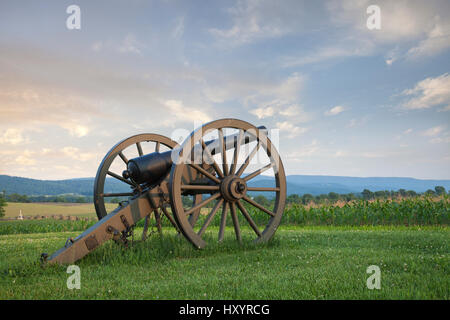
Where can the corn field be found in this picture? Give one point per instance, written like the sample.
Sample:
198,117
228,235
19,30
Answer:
406,212
419,211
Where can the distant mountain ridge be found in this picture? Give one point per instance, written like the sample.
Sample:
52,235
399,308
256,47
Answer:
299,184
314,184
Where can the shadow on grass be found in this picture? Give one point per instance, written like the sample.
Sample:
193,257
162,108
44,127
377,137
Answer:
168,247
157,249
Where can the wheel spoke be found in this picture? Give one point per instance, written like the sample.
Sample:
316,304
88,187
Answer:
211,158
210,217
258,172
194,216
124,159
237,147
202,204
249,219
257,205
125,194
114,175
223,220
146,224
166,213
204,172
199,187
158,221
237,230
262,189
224,152
139,147
247,161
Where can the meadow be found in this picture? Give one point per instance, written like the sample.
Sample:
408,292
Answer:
48,208
317,253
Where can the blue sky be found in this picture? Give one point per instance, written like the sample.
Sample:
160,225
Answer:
347,100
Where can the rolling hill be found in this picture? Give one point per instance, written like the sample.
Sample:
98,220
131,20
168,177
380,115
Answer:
299,184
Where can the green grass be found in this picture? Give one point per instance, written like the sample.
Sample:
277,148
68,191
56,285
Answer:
320,262
317,253
42,226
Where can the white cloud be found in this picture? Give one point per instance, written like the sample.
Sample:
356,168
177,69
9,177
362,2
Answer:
291,129
290,88
302,152
347,48
25,159
392,56
77,154
279,99
253,91
408,131
340,154
12,136
400,20
432,132
130,45
76,130
253,20
429,93
283,108
335,110
408,29
181,113
262,113
437,40
263,97
291,111
440,140
34,109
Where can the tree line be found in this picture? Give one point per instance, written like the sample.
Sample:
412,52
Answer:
15,197
333,197
306,198
2,204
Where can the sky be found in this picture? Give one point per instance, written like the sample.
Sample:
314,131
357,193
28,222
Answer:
347,100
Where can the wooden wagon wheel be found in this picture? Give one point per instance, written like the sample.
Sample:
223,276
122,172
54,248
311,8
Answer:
136,144
230,186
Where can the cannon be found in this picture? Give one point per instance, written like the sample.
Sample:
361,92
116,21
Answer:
216,173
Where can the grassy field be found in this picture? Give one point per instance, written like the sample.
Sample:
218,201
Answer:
48,209
301,262
318,253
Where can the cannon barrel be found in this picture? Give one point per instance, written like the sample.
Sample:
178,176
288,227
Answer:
151,168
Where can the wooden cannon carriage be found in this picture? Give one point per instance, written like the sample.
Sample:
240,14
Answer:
176,182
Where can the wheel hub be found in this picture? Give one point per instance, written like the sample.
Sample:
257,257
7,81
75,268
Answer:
233,188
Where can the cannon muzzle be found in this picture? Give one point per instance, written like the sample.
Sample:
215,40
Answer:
153,167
